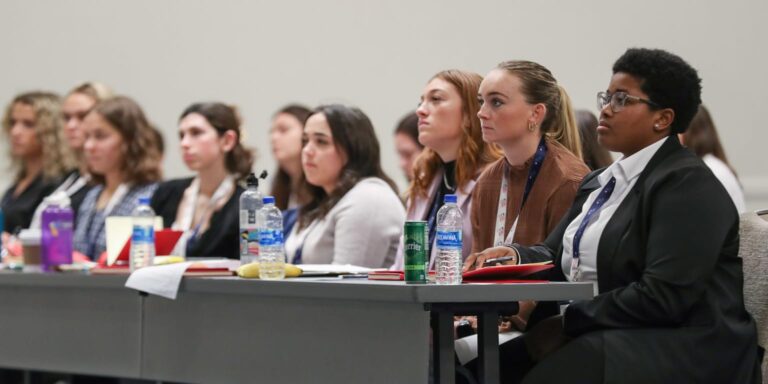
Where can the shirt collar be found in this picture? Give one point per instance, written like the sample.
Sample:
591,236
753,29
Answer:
629,168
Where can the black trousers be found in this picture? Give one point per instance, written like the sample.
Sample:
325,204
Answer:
580,362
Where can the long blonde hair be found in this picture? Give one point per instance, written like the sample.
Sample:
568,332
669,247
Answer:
57,159
473,153
540,87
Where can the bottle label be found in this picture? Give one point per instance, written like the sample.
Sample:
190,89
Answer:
269,237
247,217
249,242
449,240
143,234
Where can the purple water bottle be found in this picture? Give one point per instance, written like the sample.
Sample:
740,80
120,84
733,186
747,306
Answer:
57,223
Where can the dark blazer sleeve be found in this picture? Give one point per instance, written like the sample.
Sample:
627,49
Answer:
686,221
166,199
551,248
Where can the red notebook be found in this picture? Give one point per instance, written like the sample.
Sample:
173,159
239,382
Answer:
494,274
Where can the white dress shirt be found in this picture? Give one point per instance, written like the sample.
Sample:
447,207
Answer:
626,171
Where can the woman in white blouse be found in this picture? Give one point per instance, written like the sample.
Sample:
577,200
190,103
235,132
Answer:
354,215
702,139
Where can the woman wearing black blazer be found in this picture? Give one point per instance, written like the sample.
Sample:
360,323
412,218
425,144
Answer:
658,235
206,207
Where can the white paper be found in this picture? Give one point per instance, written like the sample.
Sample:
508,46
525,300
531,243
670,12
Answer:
466,347
332,268
164,280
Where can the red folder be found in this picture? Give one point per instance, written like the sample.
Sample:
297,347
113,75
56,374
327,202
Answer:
494,274
165,240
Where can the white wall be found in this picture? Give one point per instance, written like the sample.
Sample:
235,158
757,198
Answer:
376,55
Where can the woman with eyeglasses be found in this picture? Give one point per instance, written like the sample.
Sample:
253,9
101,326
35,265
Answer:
658,236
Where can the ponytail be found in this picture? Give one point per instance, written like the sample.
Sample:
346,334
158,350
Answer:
564,129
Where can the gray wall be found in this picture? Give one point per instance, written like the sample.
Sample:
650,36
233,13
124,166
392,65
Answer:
376,55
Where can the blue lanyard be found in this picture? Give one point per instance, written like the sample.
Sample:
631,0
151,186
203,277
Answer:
604,195
533,173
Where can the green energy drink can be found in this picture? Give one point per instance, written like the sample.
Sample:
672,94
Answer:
415,244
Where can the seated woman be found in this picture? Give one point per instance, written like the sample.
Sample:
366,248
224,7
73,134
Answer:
454,155
123,159
702,139
407,143
522,196
285,139
592,153
210,146
658,236
32,124
76,105
354,215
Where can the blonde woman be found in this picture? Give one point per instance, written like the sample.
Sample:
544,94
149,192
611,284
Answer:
32,124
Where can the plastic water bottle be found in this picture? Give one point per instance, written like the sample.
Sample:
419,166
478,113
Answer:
449,243
271,254
250,204
143,238
57,224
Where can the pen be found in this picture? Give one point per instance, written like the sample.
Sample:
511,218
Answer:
498,260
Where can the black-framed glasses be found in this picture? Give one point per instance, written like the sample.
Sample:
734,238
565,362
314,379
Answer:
619,99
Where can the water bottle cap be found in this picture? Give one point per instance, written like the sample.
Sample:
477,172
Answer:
252,181
59,198
268,200
449,199
144,200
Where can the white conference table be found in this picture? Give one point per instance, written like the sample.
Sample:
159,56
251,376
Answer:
231,330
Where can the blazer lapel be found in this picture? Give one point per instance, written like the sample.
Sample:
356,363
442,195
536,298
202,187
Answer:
614,231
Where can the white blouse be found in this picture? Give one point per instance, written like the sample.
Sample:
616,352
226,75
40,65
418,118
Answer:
362,229
728,179
626,171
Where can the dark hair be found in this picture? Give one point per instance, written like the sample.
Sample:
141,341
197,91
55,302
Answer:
702,139
159,140
223,118
409,126
281,187
668,81
593,154
141,163
353,135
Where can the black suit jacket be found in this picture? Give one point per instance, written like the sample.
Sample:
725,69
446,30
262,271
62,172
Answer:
222,237
670,305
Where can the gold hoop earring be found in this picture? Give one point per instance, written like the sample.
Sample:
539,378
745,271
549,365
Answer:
531,126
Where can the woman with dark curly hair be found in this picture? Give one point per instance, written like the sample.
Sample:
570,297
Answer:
353,215
123,158
658,236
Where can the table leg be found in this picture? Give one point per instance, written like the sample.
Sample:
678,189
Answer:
444,358
488,346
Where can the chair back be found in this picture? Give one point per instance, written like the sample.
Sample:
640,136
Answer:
753,249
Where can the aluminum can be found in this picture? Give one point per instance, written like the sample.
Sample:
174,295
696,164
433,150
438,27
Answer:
415,252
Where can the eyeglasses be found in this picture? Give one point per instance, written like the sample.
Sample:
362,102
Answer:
619,99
